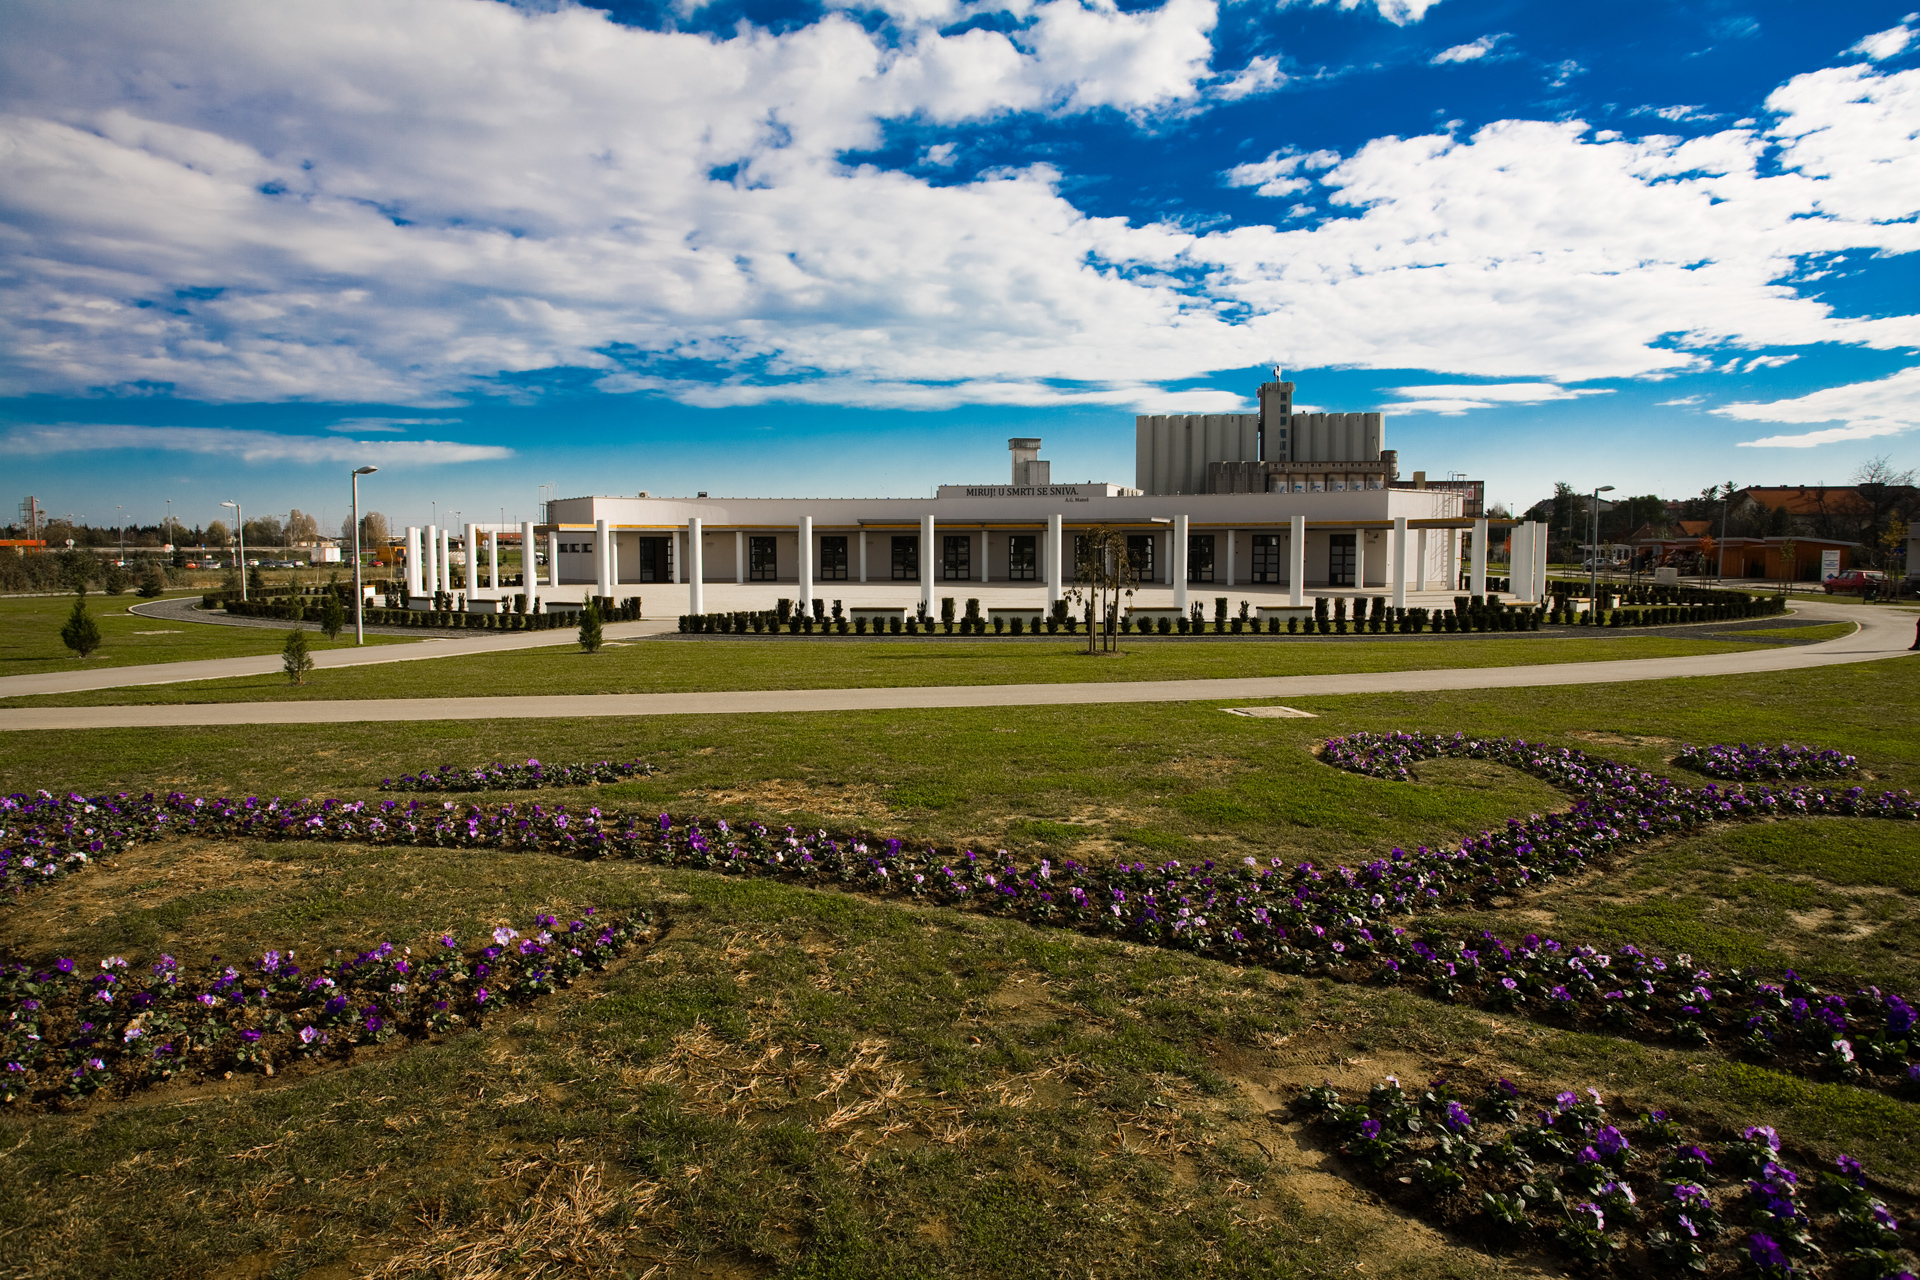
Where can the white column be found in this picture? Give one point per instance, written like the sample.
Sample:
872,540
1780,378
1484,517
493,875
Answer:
739,557
429,576
1181,537
1399,562
1166,573
863,554
1477,581
805,569
1050,557
1297,562
553,559
696,568
445,561
1229,557
414,565
926,561
1541,543
1420,555
530,567
679,556
1520,562
493,561
473,558
600,585
985,542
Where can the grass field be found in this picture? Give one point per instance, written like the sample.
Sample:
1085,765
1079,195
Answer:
30,636
672,665
803,1083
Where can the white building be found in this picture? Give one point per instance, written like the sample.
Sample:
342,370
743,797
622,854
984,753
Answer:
1262,504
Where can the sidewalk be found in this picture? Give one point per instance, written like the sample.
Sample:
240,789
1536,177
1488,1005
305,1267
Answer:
1880,636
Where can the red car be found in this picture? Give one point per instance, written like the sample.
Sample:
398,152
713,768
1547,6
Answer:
1855,582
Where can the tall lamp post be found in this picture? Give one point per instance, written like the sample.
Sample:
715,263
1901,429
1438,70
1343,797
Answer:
359,597
1593,557
240,531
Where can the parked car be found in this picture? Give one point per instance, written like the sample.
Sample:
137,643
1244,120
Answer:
1855,582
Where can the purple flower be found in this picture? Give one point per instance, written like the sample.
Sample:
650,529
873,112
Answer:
480,995
1370,1129
1850,1168
308,1035
1765,1251
1763,1133
250,1036
1610,1141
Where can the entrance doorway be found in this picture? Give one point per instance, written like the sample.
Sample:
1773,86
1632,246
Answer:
1341,554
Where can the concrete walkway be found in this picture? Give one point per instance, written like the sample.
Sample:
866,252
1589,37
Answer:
1882,634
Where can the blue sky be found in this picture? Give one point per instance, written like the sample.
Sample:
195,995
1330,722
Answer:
767,248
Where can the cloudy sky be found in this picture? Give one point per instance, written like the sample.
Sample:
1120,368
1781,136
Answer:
760,247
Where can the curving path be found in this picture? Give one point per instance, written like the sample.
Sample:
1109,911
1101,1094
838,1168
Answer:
1882,634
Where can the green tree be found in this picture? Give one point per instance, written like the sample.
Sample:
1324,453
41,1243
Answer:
295,659
333,615
114,579
590,635
77,569
152,582
256,581
1103,574
81,633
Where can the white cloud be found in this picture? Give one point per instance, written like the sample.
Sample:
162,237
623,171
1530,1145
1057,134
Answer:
1400,13
1260,75
1685,400
1458,398
389,426
411,204
249,446
940,154
1882,45
1470,52
1885,407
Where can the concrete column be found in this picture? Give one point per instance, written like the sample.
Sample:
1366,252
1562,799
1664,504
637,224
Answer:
804,569
601,587
1050,559
679,556
1477,581
445,560
739,557
1229,533
863,555
1451,553
984,544
1297,562
473,558
553,560
696,568
530,566
429,576
414,566
926,561
1520,562
1181,534
1166,562
1420,557
493,560
1541,543
1399,562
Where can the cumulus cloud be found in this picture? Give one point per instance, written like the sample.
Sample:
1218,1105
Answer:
1400,13
390,426
1451,399
1863,410
363,202
1882,45
1260,75
1472,51
249,446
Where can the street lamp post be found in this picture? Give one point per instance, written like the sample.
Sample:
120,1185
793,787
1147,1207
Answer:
1593,558
240,532
359,597
119,517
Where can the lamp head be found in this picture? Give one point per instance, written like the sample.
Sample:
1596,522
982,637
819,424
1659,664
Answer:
1605,488
366,471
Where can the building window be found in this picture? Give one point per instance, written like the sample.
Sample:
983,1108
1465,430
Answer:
1266,558
956,557
833,559
762,563
1140,555
1341,554
906,557
1199,557
1023,557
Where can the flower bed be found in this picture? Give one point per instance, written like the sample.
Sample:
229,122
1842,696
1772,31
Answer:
1344,923
72,1030
1645,1197
517,777
1753,762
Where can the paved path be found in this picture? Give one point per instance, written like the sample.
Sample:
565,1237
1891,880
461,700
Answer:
83,679
1882,634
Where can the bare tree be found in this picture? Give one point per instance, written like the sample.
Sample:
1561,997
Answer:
1103,574
301,527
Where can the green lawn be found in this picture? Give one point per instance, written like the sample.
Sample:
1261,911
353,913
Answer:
1019,1097
674,665
30,636
1809,635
